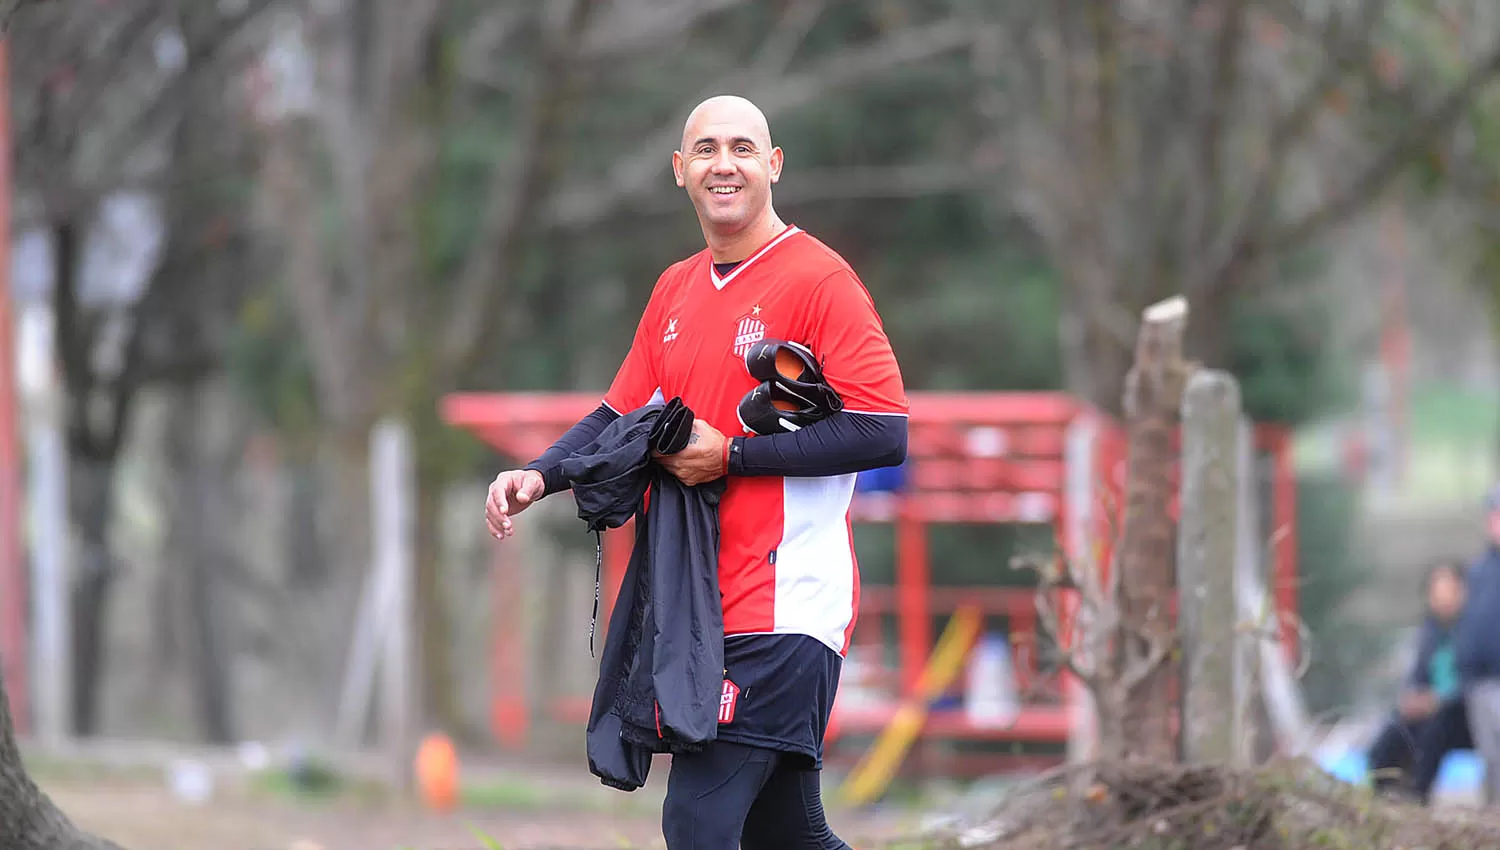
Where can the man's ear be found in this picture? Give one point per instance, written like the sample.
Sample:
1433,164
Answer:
677,168
776,160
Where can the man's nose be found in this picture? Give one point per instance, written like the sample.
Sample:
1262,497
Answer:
722,163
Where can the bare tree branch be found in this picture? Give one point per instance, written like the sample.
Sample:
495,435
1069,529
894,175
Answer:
1070,658
635,174
635,27
1387,164
1340,52
171,100
8,10
1140,667
1216,98
401,32
782,45
291,193
488,37
514,193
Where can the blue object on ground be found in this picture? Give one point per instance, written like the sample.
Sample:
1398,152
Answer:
1462,771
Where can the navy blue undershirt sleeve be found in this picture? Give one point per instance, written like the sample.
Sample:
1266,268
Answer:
838,445
572,440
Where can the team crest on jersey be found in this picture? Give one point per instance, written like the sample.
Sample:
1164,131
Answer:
749,331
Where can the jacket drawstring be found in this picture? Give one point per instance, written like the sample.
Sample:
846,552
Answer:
598,571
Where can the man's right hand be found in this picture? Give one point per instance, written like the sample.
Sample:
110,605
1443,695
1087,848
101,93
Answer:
510,493
1415,705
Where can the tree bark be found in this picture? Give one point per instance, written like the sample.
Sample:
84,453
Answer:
29,820
1144,661
90,491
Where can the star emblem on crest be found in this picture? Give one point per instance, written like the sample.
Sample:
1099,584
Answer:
756,312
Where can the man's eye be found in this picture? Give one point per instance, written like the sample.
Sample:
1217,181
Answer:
743,149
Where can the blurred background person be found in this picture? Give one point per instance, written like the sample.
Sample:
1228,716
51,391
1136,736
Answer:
1430,719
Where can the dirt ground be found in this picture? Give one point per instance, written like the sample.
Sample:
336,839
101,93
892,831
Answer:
139,813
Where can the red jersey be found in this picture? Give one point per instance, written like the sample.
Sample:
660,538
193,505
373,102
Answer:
786,551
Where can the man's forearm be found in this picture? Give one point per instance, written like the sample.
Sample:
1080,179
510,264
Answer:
575,438
841,444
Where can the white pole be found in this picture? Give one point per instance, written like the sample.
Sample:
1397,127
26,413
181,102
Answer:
391,500
1080,451
47,491
359,675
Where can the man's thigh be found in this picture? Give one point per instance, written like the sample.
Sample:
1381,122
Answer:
709,795
788,813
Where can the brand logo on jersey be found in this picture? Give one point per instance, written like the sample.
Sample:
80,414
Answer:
727,699
671,333
749,331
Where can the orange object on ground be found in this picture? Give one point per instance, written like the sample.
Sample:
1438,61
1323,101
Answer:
437,772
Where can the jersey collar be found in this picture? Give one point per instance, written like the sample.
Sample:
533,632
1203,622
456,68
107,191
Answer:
721,282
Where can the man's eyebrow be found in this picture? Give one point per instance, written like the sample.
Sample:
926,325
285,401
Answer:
734,141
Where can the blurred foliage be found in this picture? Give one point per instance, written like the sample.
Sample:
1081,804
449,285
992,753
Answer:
1287,374
1331,570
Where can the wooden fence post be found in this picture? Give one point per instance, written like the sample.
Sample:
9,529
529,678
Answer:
1212,711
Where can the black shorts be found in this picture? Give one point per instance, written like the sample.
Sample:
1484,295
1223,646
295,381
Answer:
779,694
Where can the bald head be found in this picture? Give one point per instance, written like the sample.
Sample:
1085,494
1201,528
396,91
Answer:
728,164
727,115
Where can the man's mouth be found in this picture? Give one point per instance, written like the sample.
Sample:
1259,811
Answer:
723,190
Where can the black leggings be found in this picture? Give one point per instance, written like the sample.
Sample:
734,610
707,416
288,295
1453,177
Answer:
1408,755
733,796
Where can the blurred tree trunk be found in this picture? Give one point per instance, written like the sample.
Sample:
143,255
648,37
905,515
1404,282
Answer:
200,515
90,492
1145,655
91,469
29,820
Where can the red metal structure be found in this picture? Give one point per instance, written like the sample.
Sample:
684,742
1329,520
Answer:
1034,458
13,585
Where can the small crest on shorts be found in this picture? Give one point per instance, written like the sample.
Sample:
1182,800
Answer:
728,698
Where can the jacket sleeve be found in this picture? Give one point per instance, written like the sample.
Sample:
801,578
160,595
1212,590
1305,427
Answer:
584,432
1475,639
1419,678
840,444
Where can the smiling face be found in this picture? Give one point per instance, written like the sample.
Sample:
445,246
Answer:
727,164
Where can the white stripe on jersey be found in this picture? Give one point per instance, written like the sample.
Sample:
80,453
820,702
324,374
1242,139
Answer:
814,563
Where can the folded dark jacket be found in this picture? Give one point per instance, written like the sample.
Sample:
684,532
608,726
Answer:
662,668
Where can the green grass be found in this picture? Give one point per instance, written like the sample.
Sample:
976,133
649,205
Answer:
504,794
1447,414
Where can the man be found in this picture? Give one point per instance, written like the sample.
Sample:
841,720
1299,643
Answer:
1476,644
1430,719
788,576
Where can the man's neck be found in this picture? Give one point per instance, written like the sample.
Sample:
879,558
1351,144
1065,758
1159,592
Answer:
733,248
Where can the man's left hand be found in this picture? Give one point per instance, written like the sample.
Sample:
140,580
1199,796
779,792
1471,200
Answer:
702,460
